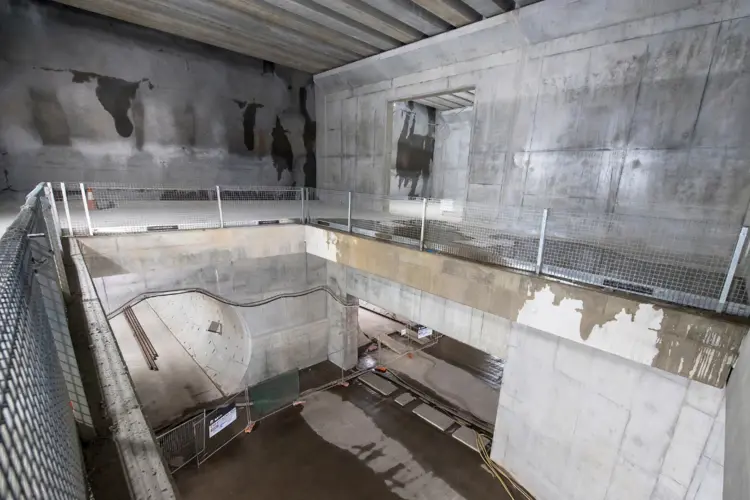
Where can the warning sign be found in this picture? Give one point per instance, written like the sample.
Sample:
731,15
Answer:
222,419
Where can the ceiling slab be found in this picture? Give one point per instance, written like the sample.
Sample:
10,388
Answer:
449,101
309,35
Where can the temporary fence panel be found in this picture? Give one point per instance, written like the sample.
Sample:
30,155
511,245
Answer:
183,443
224,423
273,394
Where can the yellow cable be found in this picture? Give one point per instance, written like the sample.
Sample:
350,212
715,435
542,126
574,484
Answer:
482,452
498,471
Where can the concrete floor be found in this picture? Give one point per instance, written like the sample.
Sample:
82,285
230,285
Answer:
433,369
345,443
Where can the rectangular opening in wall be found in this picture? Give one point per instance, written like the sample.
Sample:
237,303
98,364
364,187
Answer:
430,144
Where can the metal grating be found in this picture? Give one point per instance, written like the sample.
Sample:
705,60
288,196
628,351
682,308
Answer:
40,455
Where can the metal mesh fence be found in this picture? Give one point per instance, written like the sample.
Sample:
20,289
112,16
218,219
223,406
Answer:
679,261
328,208
387,218
243,206
684,262
507,236
225,423
40,455
184,442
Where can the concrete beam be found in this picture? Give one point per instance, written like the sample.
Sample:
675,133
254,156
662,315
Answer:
696,346
489,8
454,12
372,17
236,24
335,21
411,14
176,27
273,14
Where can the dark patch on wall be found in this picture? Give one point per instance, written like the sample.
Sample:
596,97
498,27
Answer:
49,118
114,94
310,168
414,152
281,149
139,117
248,122
268,67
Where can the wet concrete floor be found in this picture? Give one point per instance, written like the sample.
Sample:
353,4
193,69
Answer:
348,443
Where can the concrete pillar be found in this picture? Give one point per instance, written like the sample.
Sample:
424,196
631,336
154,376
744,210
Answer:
343,320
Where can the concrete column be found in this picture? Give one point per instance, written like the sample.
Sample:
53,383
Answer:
343,320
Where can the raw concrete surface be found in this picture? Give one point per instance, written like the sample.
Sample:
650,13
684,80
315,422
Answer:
345,443
737,464
180,383
88,98
450,382
628,108
481,305
574,422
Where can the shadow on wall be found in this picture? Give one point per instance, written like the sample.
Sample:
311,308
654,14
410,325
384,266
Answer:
414,146
143,107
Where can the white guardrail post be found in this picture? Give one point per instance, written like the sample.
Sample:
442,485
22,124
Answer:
85,200
349,214
424,222
303,192
55,216
732,269
542,232
221,211
67,208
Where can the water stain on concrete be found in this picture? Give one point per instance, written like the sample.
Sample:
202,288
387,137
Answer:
115,95
248,121
414,152
281,149
310,169
49,118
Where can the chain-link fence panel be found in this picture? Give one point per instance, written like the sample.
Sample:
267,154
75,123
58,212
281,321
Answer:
40,454
184,442
246,206
679,261
507,236
328,208
387,218
224,423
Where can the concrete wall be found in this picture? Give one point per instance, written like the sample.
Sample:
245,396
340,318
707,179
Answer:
240,264
576,423
695,346
737,477
88,98
598,105
450,171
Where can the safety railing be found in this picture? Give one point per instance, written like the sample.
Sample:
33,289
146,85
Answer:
40,454
701,264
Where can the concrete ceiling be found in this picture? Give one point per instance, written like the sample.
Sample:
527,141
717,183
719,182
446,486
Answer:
310,35
446,102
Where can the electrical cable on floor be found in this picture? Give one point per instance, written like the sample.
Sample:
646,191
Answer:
498,472
181,291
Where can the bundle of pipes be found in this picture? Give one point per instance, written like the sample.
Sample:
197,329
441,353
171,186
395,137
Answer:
147,348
